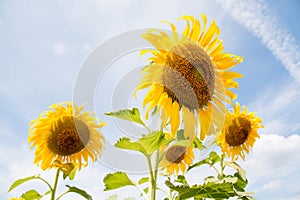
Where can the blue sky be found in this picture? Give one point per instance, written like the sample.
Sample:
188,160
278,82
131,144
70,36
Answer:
45,43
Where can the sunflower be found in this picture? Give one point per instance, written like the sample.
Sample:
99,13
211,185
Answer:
19,198
176,157
189,77
239,132
65,134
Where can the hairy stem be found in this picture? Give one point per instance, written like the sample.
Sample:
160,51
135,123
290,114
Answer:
55,185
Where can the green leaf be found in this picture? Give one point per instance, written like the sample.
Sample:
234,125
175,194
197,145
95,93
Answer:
80,192
127,114
181,179
208,190
31,195
147,144
198,144
241,183
238,168
143,180
153,141
21,181
214,158
113,197
211,160
116,180
126,143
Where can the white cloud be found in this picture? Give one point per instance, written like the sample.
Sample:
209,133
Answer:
274,163
60,48
258,19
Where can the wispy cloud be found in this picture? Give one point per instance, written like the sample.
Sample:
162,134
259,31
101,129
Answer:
258,19
279,109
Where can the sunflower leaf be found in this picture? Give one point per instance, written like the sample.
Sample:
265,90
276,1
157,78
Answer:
182,179
241,183
147,144
153,141
31,195
21,181
80,192
198,144
208,190
211,160
113,197
237,167
143,180
126,143
116,180
127,114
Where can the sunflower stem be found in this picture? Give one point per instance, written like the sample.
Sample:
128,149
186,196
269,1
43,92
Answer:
55,185
221,167
153,184
170,190
151,177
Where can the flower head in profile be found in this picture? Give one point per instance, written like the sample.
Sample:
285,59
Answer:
176,157
239,132
189,77
65,134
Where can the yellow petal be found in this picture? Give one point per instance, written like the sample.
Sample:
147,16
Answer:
189,123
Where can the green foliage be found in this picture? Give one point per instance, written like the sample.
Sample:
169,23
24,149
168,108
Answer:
113,197
127,114
143,180
181,179
235,166
198,144
31,195
116,180
21,181
211,160
147,144
80,192
208,190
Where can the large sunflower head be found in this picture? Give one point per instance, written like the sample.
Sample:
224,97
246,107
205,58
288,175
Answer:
239,132
176,157
65,134
189,77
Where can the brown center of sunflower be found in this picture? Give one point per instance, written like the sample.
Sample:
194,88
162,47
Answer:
238,132
188,77
175,154
68,136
